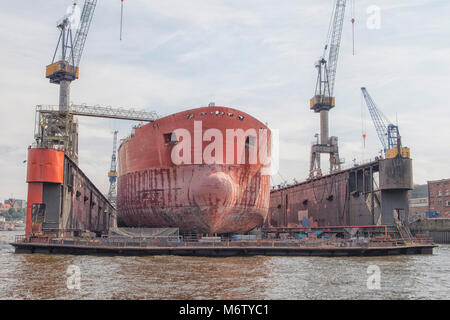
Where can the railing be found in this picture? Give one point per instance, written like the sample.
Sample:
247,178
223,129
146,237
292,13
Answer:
176,242
359,163
325,228
20,238
286,184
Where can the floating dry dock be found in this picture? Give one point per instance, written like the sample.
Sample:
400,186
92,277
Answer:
310,247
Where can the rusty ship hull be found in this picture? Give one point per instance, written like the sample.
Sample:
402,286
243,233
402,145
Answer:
197,195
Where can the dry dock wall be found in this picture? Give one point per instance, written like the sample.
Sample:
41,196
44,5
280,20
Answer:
61,199
438,229
371,194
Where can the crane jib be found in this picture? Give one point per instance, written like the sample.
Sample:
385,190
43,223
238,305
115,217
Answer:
387,132
85,22
335,41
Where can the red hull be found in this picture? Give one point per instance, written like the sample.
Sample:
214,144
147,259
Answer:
198,196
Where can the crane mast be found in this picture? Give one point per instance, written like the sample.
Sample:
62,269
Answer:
323,100
112,174
387,132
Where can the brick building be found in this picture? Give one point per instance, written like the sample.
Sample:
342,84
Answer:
439,196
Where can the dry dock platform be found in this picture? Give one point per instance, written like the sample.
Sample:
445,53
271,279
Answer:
222,249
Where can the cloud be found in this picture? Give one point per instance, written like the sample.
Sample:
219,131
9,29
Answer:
253,55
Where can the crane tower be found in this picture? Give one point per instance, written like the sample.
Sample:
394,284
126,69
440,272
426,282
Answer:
323,100
112,174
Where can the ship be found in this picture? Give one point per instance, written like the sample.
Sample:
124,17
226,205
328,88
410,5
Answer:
204,170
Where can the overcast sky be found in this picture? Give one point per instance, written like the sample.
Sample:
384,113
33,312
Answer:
254,55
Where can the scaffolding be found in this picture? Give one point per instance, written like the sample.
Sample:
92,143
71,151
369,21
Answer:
59,129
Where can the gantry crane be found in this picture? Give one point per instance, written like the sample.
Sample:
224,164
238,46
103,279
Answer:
53,127
112,174
387,132
323,100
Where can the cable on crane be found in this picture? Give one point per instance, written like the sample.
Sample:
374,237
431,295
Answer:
363,122
330,27
121,19
353,25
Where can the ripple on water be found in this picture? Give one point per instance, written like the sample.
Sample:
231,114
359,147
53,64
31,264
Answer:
25,276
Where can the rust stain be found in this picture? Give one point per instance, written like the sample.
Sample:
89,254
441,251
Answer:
204,198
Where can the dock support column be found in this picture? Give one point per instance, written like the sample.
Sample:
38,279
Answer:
324,127
64,95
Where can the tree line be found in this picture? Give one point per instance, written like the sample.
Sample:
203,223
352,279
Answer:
14,214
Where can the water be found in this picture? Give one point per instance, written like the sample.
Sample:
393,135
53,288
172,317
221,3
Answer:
37,276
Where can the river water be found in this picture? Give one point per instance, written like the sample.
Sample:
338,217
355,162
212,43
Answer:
38,276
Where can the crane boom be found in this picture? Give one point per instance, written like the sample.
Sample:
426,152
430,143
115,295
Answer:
387,132
81,35
335,42
380,121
